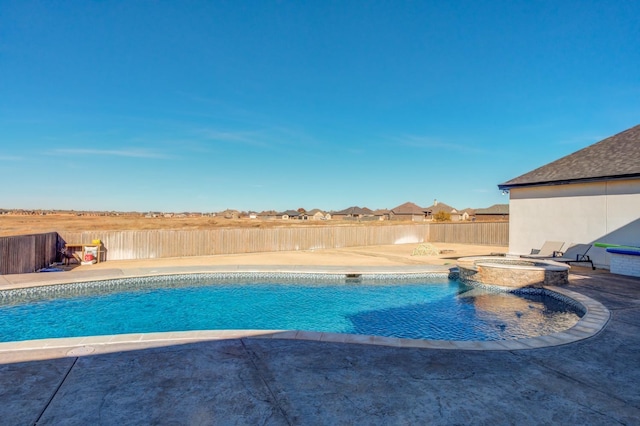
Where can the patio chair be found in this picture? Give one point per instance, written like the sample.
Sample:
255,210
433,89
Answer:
576,253
548,249
67,256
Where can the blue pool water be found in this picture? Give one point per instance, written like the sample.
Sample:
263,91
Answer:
440,310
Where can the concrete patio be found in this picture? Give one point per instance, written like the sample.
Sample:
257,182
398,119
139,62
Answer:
254,380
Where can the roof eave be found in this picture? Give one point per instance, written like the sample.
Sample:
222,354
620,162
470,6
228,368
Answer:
507,186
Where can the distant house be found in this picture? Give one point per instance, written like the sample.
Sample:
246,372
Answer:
230,214
408,211
438,207
496,212
316,214
353,213
382,214
592,195
289,214
468,214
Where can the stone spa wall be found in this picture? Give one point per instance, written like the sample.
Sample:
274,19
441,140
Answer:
512,273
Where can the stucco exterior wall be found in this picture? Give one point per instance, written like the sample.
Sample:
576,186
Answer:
576,213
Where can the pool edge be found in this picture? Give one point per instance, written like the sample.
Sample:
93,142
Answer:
592,322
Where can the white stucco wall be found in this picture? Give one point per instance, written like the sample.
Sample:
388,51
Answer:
575,213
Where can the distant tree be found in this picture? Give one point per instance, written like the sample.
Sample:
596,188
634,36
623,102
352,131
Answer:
442,216
301,210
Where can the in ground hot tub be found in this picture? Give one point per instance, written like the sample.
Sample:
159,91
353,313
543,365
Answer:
512,272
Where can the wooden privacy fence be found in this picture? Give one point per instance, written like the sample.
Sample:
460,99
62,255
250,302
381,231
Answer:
149,244
27,253
478,233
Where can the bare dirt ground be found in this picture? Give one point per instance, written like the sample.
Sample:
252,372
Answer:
35,224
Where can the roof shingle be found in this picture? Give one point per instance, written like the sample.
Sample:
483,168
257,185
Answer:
617,156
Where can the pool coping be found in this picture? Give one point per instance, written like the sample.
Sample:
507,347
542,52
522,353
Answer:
592,322
503,262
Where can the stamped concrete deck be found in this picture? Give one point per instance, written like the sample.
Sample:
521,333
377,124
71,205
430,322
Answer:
257,380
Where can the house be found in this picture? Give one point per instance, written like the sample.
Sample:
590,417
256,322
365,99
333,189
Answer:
289,214
230,214
440,207
497,212
353,213
382,214
408,211
468,214
317,214
592,195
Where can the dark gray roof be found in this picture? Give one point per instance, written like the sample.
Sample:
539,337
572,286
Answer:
494,209
615,157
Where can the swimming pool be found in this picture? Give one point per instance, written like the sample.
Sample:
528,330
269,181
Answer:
430,307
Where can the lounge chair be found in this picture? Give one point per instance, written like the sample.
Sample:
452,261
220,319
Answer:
576,253
548,249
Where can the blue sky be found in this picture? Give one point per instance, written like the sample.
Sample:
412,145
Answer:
204,106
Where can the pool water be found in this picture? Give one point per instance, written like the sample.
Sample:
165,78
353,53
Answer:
441,310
